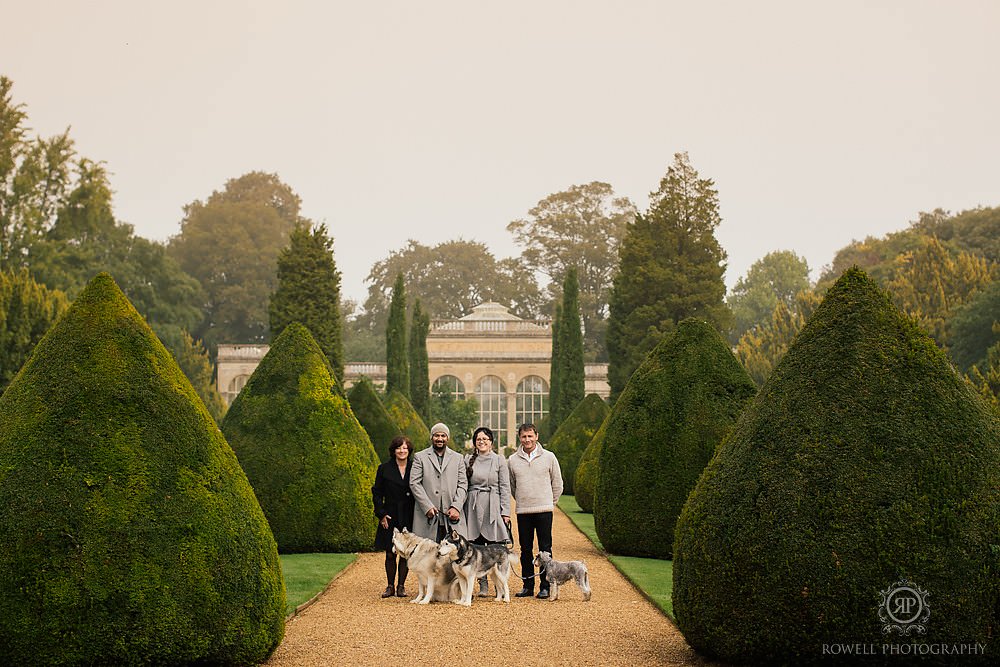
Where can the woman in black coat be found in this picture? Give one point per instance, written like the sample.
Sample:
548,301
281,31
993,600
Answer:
394,508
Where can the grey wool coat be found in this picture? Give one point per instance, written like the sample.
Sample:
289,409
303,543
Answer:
440,486
489,498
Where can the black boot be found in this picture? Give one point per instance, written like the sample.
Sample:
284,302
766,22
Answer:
526,592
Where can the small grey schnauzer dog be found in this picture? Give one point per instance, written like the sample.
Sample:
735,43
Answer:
558,572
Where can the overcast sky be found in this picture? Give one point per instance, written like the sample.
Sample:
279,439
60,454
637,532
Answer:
820,122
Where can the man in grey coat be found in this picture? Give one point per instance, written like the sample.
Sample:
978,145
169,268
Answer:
439,485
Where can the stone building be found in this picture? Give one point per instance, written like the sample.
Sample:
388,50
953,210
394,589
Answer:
492,355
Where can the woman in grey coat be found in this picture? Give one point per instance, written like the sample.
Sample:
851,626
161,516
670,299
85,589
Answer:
487,506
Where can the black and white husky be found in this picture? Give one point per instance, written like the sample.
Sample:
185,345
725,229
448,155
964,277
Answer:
471,561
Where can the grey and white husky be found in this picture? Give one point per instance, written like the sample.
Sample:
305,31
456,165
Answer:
435,576
560,572
471,561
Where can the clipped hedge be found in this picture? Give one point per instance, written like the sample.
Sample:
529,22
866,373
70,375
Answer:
409,422
373,416
128,532
864,460
310,462
674,411
575,433
587,470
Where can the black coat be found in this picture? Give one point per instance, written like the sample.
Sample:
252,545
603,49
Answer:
391,495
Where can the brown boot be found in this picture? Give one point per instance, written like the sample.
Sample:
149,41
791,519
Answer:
400,591
387,593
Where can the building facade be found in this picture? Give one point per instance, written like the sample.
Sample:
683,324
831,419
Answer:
491,355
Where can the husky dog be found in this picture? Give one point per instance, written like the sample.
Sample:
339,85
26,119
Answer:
558,572
471,561
435,577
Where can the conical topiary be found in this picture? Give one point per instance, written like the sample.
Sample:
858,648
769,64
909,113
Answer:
575,433
673,413
408,421
128,531
585,479
373,416
310,462
864,462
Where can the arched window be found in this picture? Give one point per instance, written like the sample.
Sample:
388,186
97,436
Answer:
532,400
450,384
492,396
237,383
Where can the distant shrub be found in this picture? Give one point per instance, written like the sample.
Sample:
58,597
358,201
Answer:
128,531
574,434
674,411
409,422
373,416
310,462
587,470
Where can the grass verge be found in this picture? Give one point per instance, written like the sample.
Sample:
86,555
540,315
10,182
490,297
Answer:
306,575
654,577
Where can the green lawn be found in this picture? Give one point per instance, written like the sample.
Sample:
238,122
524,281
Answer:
308,574
652,576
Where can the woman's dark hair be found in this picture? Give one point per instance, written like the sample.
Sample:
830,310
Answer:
475,452
398,442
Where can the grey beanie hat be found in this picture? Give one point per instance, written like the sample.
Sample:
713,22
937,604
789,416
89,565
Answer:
440,428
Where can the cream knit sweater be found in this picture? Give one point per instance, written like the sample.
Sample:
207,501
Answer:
535,485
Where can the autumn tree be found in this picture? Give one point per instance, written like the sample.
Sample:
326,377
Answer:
778,276
450,279
397,368
761,348
985,376
930,283
670,268
580,227
230,242
309,292
420,390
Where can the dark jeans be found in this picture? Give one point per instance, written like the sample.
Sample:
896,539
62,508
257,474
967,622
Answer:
527,526
390,567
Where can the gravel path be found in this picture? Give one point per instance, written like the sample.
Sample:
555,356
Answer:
351,625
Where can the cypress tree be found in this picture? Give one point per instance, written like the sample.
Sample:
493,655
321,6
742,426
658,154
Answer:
420,387
397,368
675,410
670,268
864,461
129,533
310,462
555,382
373,416
571,376
308,292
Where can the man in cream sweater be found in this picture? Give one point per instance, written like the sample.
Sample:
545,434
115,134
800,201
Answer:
536,484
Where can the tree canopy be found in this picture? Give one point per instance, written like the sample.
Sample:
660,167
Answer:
27,310
450,279
777,276
230,242
670,268
580,227
308,292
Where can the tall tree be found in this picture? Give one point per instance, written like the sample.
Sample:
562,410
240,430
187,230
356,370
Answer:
671,267
397,369
27,310
761,348
777,276
309,292
571,376
35,177
579,227
192,357
555,381
420,388
230,243
974,327
450,279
